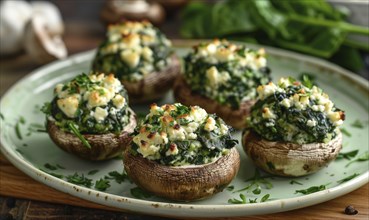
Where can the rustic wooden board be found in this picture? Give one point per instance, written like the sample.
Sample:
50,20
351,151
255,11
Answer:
14,183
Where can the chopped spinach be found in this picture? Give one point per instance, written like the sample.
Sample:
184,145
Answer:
230,188
118,177
92,172
295,182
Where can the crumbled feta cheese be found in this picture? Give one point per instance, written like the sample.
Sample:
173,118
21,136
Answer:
147,54
198,114
223,129
69,105
130,57
286,103
311,123
99,97
210,124
212,75
100,114
176,134
268,113
119,101
266,90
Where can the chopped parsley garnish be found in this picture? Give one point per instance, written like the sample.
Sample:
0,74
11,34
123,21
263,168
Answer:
230,188
76,132
140,193
53,174
256,182
357,124
118,177
243,199
363,157
34,127
312,189
295,182
345,132
20,121
50,167
102,184
79,180
2,116
92,172
348,178
347,155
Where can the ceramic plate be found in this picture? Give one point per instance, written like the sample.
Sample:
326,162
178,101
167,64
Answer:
30,150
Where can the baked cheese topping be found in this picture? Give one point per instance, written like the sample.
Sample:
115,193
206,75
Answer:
132,50
226,72
95,103
290,111
180,135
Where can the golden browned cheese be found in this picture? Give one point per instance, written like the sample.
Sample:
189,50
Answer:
154,85
103,146
234,117
290,159
182,183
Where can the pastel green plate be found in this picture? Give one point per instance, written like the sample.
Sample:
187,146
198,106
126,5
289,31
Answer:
33,150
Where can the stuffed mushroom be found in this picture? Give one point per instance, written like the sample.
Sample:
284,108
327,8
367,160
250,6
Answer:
222,78
182,153
141,57
293,129
89,117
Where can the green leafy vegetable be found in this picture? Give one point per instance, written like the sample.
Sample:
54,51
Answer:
79,180
140,193
265,198
312,189
102,184
53,174
230,188
295,182
92,172
345,132
363,157
237,201
357,124
50,167
256,182
76,132
347,155
118,177
348,178
2,116
18,132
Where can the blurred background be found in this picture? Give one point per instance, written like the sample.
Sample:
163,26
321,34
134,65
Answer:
34,33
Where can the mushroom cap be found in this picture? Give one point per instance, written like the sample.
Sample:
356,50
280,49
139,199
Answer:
40,44
154,85
103,146
234,117
290,159
183,183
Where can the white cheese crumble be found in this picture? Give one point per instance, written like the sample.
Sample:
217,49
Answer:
100,114
69,105
210,124
311,123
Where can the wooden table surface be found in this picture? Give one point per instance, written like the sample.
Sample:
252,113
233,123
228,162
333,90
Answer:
19,194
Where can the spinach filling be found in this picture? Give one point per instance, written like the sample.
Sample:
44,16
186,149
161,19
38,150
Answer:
291,124
83,120
240,86
205,148
112,62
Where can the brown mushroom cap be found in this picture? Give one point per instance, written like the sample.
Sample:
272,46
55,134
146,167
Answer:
103,146
185,183
290,159
154,85
234,117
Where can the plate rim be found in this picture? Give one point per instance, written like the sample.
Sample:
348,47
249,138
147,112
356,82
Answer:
171,209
